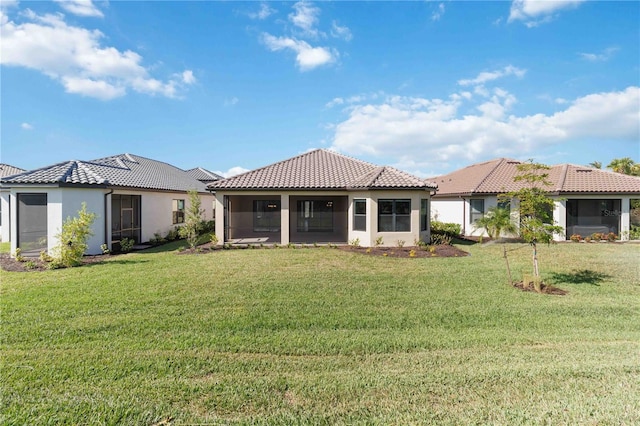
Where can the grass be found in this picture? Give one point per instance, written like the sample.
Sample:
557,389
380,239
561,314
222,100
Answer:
320,336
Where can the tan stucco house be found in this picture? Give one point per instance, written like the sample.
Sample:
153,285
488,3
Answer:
587,200
323,197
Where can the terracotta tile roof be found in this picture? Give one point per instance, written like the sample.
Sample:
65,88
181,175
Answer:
124,170
496,176
322,169
203,175
7,170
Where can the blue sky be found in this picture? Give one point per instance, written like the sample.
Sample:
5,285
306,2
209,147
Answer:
425,86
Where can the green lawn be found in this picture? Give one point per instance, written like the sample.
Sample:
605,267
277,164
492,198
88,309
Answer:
321,336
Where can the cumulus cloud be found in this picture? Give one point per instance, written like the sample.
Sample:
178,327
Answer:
603,56
233,171
305,17
487,76
437,14
440,130
307,56
26,126
536,12
75,57
342,32
81,8
264,12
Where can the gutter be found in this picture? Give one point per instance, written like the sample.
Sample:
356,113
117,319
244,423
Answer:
106,223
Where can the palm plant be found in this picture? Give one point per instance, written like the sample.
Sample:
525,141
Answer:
497,220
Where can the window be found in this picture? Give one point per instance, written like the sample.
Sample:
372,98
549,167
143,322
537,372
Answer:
394,215
477,209
315,216
178,211
424,214
359,215
266,216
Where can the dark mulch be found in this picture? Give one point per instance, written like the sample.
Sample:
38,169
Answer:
34,264
544,289
441,250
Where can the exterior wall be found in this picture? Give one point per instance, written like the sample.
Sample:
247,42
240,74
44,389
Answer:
391,239
156,210
5,226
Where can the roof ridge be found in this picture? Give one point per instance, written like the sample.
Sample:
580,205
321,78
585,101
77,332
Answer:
563,177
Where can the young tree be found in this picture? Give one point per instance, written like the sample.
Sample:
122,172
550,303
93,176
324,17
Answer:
536,208
190,230
496,220
72,240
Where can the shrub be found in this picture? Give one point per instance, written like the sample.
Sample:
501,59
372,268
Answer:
355,242
441,239
213,239
44,256
575,238
157,239
72,240
379,241
400,243
173,234
191,228
596,236
611,236
207,226
29,264
18,255
453,229
126,244
105,249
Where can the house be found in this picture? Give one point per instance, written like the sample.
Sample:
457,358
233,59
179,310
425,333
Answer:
203,175
6,170
323,197
587,200
133,197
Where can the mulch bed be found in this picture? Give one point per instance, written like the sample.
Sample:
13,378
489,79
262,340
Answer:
441,250
34,264
544,289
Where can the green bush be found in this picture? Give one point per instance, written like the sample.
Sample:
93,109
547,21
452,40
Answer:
126,244
72,240
451,229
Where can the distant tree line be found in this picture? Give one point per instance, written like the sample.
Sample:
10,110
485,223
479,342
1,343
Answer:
620,165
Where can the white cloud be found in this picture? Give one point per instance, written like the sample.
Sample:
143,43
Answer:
231,102
26,126
437,14
405,129
81,8
487,76
188,77
537,12
75,57
305,17
264,12
307,56
340,32
605,55
233,171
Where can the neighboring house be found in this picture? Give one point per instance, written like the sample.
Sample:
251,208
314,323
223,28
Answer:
203,175
587,200
6,170
323,197
133,197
